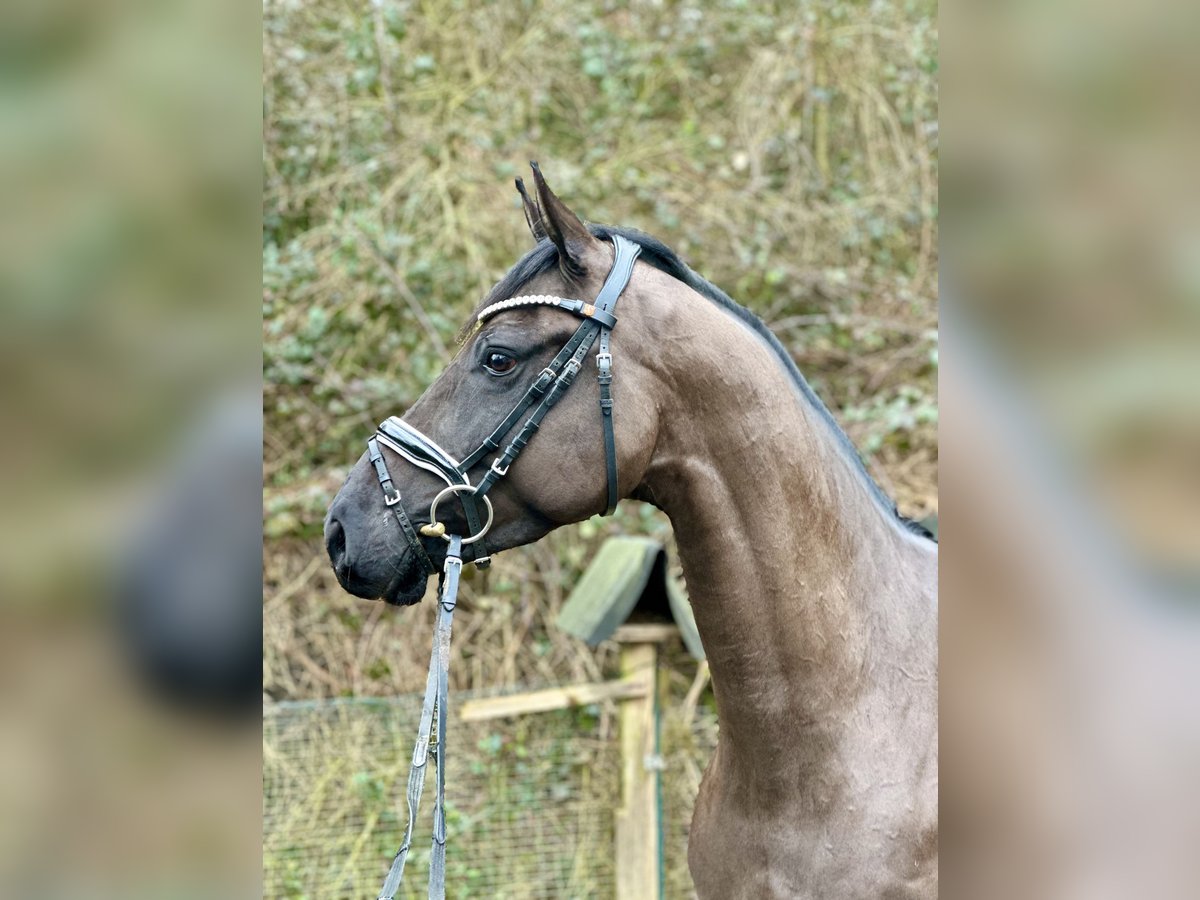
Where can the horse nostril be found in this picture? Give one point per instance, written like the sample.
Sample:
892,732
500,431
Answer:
335,544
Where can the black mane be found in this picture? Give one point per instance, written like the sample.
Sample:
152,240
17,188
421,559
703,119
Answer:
544,257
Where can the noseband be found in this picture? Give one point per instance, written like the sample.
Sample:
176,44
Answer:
553,381
424,453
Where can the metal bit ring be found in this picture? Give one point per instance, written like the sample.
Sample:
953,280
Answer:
458,489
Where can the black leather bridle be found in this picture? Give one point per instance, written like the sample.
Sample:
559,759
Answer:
421,451
546,390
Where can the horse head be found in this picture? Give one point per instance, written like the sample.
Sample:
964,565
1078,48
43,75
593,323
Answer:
561,471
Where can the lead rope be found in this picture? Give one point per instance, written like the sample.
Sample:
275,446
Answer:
437,693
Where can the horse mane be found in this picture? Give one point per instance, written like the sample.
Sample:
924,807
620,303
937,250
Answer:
544,257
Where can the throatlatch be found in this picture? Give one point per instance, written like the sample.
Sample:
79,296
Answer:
423,452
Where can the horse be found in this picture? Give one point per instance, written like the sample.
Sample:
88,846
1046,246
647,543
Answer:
815,600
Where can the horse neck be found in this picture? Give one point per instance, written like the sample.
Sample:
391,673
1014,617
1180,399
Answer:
799,578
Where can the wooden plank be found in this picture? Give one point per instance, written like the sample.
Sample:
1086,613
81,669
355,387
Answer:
646,632
636,820
609,589
550,699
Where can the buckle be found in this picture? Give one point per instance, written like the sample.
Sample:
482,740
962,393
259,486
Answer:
544,379
497,469
392,499
604,361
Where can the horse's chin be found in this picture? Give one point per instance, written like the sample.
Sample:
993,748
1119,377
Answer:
407,589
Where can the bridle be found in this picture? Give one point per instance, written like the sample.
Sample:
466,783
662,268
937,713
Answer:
423,452
542,395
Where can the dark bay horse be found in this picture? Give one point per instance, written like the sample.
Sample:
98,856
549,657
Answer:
816,602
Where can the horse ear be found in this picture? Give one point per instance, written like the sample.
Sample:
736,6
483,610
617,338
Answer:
533,215
563,227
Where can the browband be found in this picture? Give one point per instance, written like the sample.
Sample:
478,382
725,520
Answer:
578,307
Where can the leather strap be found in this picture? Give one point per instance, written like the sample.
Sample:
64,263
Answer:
437,858
618,277
626,255
569,370
437,694
392,498
480,555
536,391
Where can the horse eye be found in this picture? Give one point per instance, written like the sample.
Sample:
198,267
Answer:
499,363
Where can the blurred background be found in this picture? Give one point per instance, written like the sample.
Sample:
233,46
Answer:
1070,574
129,449
787,152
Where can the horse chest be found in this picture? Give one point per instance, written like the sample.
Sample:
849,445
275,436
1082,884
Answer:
802,845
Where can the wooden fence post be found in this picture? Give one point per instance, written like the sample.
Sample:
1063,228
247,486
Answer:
637,818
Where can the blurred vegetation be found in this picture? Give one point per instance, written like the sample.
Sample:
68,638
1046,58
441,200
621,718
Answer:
787,152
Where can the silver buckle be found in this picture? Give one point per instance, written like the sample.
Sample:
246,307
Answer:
391,501
496,467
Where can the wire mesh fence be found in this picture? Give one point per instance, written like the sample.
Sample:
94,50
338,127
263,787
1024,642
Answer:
529,801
